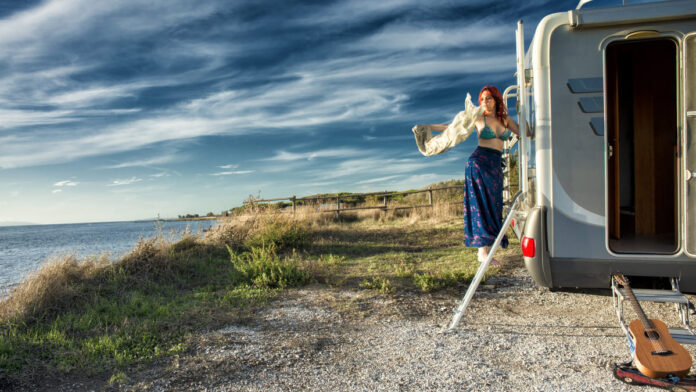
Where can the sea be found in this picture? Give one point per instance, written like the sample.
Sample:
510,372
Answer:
23,249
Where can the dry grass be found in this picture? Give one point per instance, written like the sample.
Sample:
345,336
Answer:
51,288
63,281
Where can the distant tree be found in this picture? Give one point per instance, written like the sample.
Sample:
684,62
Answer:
210,214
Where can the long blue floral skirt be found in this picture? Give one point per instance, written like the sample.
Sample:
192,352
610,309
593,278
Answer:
483,198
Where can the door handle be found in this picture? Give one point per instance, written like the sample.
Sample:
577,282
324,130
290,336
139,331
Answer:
611,150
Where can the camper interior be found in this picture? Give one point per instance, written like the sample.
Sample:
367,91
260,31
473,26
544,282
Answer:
642,135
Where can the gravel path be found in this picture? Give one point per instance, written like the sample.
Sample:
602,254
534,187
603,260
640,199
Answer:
514,336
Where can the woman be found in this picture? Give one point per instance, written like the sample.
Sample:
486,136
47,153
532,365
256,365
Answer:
483,193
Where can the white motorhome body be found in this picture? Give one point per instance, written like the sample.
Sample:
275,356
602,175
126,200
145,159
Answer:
611,166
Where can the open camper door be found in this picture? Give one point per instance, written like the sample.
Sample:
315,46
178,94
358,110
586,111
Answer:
690,142
642,81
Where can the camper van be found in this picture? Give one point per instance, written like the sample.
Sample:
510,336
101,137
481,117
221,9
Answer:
608,175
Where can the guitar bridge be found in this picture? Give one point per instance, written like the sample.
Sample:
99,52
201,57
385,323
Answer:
662,353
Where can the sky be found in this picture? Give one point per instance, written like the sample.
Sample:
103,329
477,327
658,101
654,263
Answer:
129,109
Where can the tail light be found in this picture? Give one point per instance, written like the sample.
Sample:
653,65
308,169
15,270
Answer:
528,249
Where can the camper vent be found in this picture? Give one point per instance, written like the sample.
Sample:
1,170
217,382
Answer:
585,85
590,104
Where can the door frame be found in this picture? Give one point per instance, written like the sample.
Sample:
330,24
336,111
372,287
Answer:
612,226
688,76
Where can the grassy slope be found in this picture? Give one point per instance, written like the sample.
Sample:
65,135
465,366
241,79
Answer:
90,316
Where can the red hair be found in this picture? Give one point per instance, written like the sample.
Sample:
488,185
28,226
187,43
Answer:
500,110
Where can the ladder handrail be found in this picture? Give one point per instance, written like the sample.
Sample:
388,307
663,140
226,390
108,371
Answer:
522,109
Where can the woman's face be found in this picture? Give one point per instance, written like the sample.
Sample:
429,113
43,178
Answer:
488,102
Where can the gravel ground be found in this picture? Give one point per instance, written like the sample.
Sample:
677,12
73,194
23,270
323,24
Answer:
514,337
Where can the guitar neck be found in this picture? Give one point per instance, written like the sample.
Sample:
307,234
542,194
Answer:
639,311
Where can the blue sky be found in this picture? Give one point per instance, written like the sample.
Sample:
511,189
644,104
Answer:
126,109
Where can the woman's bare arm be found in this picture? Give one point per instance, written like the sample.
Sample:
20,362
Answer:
512,125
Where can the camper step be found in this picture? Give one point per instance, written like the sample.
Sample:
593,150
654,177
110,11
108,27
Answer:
683,336
658,295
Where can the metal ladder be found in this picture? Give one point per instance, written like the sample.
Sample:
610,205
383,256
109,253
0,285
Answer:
459,312
681,303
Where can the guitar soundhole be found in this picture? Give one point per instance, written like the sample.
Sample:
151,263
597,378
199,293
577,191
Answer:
652,335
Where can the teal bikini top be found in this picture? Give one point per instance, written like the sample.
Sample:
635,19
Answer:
488,133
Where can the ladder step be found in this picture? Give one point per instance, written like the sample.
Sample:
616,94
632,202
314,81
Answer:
657,295
682,335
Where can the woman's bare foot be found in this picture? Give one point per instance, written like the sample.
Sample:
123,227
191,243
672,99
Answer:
483,254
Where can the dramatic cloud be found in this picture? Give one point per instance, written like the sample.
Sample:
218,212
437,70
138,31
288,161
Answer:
307,96
203,74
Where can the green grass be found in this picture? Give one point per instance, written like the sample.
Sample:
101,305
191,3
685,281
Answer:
393,257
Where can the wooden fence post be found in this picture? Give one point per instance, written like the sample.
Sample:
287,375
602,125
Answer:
338,207
293,203
385,204
430,196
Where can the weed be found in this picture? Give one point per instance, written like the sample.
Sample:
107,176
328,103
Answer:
431,282
330,259
404,270
118,378
380,284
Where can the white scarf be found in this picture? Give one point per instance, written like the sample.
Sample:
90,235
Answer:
461,127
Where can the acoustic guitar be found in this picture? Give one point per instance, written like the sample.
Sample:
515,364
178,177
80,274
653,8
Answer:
656,354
